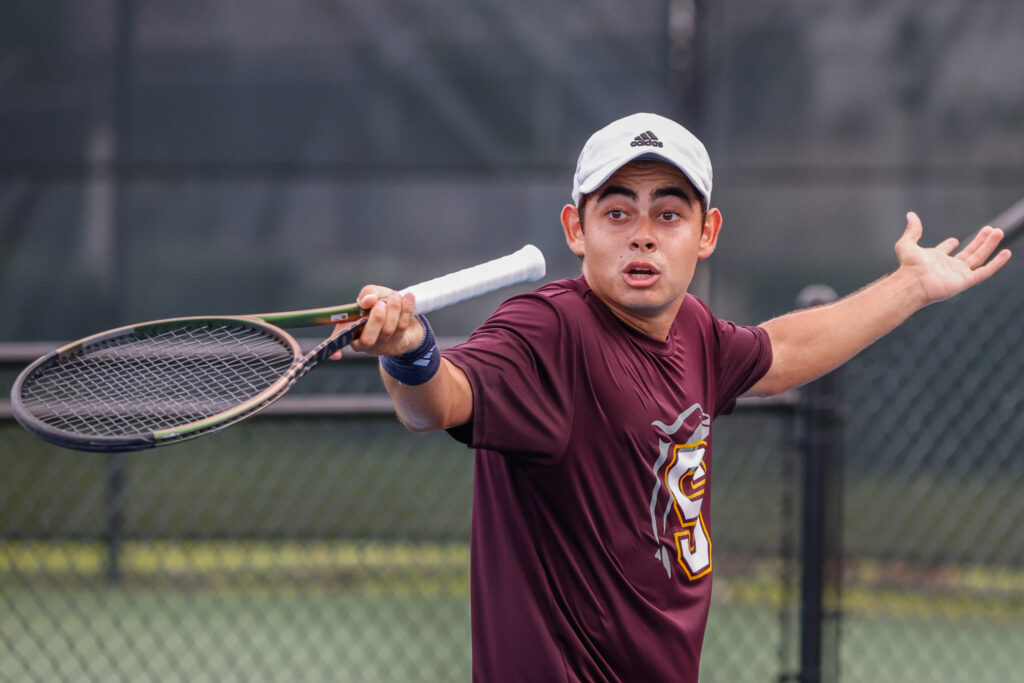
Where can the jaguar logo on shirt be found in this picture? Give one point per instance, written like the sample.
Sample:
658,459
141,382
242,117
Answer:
679,470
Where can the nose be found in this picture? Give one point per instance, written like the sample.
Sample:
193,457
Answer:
643,236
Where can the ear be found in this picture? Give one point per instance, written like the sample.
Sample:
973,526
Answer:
573,229
709,235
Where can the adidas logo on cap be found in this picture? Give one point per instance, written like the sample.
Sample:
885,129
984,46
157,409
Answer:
646,139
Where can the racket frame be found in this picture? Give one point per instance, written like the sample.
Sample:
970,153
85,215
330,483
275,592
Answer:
299,366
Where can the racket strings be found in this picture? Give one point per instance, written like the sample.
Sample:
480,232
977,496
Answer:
141,383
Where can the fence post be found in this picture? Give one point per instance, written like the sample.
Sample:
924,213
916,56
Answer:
124,57
820,441
113,523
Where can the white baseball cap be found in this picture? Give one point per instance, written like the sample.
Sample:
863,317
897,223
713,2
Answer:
641,137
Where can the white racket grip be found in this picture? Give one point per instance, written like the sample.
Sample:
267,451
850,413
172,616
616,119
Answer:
524,265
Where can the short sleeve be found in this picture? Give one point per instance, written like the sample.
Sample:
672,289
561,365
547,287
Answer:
521,369
744,356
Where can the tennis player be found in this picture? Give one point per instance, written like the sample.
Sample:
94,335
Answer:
590,403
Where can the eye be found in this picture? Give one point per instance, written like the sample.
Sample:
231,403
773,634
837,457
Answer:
670,215
616,214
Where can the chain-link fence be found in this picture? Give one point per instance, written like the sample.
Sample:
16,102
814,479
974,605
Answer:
335,547
291,549
934,494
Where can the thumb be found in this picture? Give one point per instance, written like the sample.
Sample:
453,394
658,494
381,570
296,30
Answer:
914,228
910,237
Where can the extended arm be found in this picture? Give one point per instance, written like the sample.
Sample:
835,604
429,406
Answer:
812,342
446,400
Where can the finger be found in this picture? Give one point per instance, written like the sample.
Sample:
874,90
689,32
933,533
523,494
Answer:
972,247
394,315
907,242
408,306
371,332
367,297
947,245
983,272
982,246
986,271
371,294
914,228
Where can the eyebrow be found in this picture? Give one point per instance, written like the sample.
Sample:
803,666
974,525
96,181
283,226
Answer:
618,189
671,191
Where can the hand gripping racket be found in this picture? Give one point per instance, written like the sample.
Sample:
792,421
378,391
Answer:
161,382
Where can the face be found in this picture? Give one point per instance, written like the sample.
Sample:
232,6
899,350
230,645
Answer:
641,236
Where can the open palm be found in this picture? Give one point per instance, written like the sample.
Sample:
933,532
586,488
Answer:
940,272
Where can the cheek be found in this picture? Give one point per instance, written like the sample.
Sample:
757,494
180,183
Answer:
602,252
598,259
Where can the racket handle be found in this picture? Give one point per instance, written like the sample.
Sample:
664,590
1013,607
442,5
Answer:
520,266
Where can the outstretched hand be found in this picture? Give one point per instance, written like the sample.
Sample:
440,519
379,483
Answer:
943,274
810,342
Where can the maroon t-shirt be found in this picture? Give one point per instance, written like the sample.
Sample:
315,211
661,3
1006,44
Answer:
591,553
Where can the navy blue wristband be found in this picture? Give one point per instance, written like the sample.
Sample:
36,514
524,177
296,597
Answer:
419,365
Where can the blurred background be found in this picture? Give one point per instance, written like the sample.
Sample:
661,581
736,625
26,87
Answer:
219,156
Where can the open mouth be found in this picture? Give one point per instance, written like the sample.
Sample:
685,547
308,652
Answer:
638,271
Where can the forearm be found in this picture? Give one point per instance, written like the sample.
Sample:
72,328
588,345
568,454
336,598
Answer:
428,391
809,343
446,400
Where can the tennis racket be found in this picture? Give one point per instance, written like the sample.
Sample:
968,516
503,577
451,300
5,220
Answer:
165,381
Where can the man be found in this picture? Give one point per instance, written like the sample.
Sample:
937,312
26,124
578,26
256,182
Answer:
590,403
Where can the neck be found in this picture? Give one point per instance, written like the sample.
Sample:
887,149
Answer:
655,323
655,328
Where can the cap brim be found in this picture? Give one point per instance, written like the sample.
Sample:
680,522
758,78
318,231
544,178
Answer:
599,178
